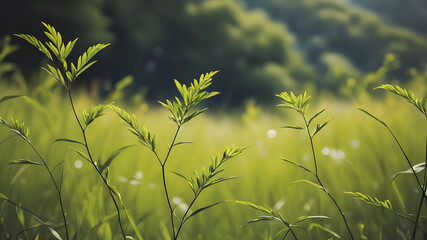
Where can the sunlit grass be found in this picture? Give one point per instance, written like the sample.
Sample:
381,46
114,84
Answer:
355,154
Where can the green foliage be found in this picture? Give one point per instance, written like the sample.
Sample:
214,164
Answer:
300,104
408,95
334,26
371,200
64,72
6,48
144,136
191,96
92,114
205,177
16,127
417,168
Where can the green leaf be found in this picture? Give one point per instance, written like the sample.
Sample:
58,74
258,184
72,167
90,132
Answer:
308,182
219,180
293,127
319,127
371,200
201,210
83,155
18,128
36,43
92,114
132,222
315,225
113,189
68,140
180,175
25,161
264,218
20,216
252,205
52,231
5,98
298,165
304,218
416,168
372,116
113,156
316,115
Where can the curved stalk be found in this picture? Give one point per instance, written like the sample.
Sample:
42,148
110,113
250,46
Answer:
165,187
414,232
95,166
185,214
287,232
407,159
58,189
318,179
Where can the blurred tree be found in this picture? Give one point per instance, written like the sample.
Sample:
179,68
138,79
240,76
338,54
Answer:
82,18
337,26
157,41
407,13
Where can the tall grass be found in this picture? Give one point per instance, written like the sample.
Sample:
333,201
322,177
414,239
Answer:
370,161
352,155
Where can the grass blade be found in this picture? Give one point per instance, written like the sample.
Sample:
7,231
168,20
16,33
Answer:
25,161
113,156
5,98
201,210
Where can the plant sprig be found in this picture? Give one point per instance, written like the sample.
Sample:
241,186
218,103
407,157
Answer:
57,51
22,131
408,95
66,73
300,103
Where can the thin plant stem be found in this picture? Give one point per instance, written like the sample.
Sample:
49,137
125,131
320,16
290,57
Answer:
289,230
407,159
58,189
165,187
96,167
168,200
185,214
420,206
318,179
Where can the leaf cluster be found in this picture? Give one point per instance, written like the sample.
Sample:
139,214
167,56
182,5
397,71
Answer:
300,104
144,136
92,114
57,51
205,177
371,200
408,95
190,97
18,128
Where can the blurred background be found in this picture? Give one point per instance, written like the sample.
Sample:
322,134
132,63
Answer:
261,47
336,50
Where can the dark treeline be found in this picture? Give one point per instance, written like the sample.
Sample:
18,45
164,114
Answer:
261,47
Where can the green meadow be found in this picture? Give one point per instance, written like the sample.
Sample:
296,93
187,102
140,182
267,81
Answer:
355,153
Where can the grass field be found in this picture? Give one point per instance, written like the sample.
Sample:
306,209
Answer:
355,154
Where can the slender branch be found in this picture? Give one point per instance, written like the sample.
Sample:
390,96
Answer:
164,180
420,206
172,144
185,214
289,230
96,167
168,200
58,190
407,159
318,179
